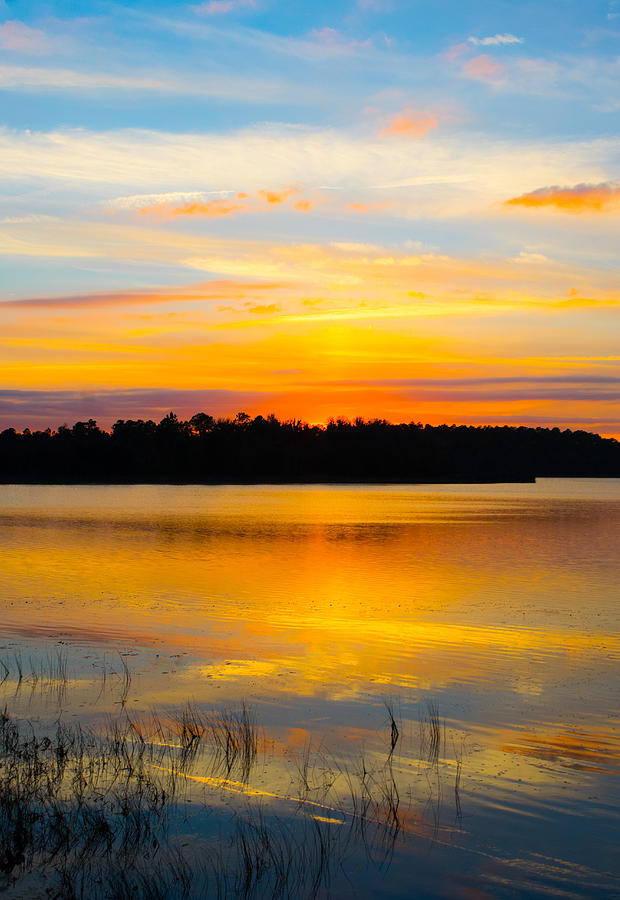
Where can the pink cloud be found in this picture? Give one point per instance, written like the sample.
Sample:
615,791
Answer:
456,50
223,7
16,36
409,123
483,68
337,43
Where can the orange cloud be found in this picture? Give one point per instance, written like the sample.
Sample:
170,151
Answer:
365,207
276,197
409,123
214,209
227,206
483,68
594,198
262,310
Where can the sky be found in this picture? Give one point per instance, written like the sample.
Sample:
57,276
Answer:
377,208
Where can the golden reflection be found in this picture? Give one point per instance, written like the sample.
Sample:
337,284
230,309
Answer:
323,590
572,749
242,787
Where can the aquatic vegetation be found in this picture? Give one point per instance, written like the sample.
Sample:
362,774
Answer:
234,735
104,810
469,610
431,733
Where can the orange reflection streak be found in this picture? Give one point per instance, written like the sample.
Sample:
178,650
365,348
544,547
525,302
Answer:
240,787
574,749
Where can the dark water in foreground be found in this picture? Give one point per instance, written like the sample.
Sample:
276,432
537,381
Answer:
484,617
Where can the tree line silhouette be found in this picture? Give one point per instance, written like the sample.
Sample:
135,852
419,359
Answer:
242,449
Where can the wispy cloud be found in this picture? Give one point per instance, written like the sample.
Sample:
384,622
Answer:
20,38
231,205
250,89
456,50
530,256
223,7
495,40
449,175
336,44
262,309
366,207
582,198
484,68
139,201
212,209
209,291
409,123
308,268
40,409
43,408
22,77
277,197
31,219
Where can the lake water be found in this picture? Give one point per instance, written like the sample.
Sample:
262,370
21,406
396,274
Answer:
486,618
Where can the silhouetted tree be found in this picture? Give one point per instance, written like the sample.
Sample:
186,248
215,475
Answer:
205,449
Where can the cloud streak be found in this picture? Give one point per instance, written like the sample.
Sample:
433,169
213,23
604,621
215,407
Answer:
332,43
375,272
250,89
179,168
40,409
50,408
20,38
409,123
582,198
140,201
212,209
221,207
484,68
223,7
496,40
203,291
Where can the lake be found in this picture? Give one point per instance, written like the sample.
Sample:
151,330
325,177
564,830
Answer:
430,674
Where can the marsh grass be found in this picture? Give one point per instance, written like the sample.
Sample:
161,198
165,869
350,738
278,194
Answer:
98,812
234,736
91,815
432,733
125,680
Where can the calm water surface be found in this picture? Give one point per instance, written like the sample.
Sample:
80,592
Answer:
492,607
